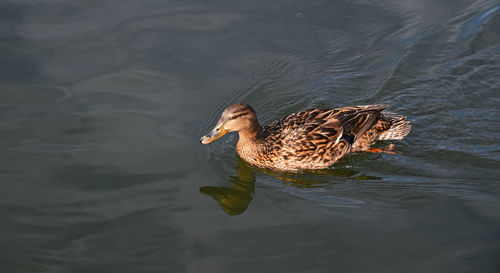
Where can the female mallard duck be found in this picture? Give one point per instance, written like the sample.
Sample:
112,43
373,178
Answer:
310,139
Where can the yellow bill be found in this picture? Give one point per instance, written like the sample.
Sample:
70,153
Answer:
215,134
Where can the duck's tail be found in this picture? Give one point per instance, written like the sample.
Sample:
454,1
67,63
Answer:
400,127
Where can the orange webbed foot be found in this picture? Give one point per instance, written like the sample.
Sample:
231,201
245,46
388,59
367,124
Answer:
387,150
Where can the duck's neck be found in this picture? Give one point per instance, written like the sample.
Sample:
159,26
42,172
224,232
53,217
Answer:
250,135
250,142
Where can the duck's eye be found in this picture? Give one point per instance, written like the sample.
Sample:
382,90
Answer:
217,130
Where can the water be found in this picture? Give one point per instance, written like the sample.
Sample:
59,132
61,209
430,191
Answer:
102,104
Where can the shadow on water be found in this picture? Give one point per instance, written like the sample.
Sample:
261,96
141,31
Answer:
235,199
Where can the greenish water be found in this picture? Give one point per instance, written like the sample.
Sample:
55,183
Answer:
102,104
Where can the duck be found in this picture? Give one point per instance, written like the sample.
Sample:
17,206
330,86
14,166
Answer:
311,139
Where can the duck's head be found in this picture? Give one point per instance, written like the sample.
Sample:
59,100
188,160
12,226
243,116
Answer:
239,117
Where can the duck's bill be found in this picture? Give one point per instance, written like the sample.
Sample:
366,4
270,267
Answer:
215,134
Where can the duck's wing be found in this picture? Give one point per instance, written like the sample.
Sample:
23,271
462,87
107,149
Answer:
357,120
322,132
306,140
308,130
330,125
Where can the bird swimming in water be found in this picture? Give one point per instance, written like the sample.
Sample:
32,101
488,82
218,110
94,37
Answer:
309,139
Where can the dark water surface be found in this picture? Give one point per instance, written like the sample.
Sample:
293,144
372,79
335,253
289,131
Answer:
102,104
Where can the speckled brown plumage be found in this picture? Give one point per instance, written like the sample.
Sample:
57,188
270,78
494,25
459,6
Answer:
309,139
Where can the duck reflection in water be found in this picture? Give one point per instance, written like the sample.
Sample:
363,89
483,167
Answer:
234,200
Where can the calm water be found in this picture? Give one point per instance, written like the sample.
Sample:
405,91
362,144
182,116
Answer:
102,104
